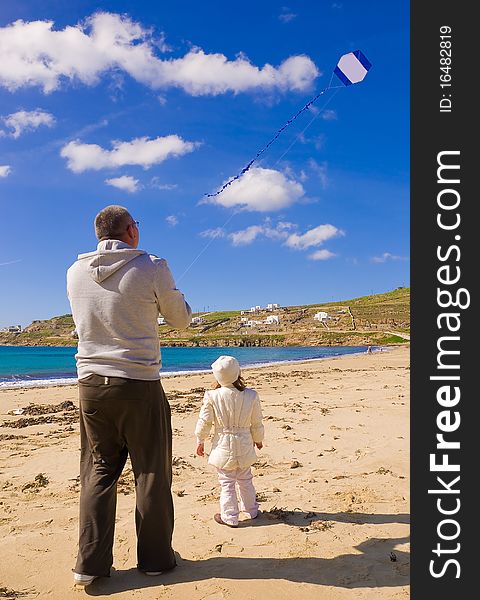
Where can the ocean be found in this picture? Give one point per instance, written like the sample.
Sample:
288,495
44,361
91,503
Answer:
38,366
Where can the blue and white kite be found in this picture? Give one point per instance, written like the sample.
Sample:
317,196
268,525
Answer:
351,68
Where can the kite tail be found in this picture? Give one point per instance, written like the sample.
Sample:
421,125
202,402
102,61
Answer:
260,152
351,68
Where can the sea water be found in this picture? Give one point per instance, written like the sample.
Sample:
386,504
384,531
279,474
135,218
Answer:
37,366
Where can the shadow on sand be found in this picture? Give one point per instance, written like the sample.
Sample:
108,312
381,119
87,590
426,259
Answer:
301,518
369,566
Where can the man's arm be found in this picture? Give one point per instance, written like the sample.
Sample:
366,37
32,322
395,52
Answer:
171,302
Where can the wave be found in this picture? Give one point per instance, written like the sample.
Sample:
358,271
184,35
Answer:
34,383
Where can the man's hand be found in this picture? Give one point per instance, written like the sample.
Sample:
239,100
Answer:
200,449
259,445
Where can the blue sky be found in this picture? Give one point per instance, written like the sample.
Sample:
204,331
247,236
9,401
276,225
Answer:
153,105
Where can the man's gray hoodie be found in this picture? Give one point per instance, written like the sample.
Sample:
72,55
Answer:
116,295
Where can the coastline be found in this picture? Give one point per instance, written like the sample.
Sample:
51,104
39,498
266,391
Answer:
53,381
332,481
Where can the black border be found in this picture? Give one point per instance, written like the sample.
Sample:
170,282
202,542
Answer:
432,132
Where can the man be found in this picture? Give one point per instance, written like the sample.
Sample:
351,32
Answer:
116,294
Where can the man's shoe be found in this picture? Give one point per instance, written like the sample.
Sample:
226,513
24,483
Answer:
84,580
218,519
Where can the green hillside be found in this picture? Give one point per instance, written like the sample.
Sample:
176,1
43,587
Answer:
376,319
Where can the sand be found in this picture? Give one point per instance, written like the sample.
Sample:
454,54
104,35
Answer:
332,481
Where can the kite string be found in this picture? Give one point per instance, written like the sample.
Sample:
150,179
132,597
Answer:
274,138
297,137
320,110
206,246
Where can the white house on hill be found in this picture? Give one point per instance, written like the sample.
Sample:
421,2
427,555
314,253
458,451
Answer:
161,320
272,306
321,316
12,329
198,320
272,320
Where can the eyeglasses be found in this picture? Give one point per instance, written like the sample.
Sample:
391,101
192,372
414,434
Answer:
136,223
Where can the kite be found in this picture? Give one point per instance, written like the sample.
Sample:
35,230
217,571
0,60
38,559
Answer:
351,68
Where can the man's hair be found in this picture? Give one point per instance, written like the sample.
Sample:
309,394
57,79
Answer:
112,222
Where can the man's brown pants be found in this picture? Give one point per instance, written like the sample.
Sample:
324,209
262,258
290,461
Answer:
121,417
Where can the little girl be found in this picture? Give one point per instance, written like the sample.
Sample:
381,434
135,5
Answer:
235,412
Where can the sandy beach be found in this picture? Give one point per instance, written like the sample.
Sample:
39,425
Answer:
332,481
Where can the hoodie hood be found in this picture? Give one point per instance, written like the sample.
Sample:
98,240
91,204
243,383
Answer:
110,256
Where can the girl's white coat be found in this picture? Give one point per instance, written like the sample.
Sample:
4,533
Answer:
237,420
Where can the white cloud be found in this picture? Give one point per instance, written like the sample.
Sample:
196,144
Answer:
320,169
260,190
279,232
87,129
290,172
286,16
10,262
319,141
329,115
202,74
35,54
28,120
5,170
218,232
321,255
387,256
116,85
172,220
246,236
125,182
155,183
143,151
161,43
313,237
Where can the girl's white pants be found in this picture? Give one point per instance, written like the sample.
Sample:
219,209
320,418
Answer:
229,506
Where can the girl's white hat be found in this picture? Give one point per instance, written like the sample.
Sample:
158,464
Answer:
226,370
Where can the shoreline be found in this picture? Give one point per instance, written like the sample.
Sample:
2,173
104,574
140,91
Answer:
43,383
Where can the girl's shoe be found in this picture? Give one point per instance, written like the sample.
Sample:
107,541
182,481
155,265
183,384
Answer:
218,519
84,580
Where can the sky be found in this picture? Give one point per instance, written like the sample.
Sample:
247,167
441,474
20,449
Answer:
154,105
